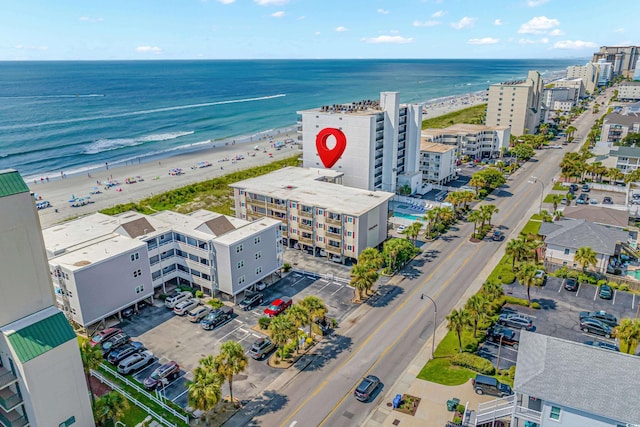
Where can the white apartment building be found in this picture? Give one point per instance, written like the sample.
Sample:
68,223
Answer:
588,73
318,214
617,126
381,141
102,264
605,72
623,58
516,104
558,100
629,91
42,381
475,141
437,162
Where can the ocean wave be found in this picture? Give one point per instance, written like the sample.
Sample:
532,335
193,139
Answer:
139,113
88,95
102,145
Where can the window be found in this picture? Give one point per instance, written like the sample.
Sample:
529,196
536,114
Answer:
554,414
320,212
139,289
258,270
240,280
258,255
349,219
566,251
256,240
241,263
239,249
135,256
349,234
137,273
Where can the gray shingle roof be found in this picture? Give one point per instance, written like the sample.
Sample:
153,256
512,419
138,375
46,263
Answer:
578,233
621,119
598,214
622,151
597,381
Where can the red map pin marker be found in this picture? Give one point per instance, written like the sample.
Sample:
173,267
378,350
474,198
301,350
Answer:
330,156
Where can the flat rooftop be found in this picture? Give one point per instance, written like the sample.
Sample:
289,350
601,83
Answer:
434,147
309,186
461,128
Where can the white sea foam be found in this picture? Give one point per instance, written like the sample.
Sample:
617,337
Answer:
139,113
103,145
88,95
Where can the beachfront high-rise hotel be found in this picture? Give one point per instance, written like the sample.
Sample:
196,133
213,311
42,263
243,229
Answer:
42,382
516,104
381,141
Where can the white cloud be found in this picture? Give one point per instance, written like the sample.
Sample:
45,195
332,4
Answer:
388,39
438,14
557,32
484,40
89,19
497,22
538,25
149,49
383,12
425,23
317,33
535,3
542,40
464,22
23,47
619,30
226,1
278,14
341,29
574,44
270,2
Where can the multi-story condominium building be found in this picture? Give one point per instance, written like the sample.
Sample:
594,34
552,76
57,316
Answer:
516,104
476,141
103,264
588,73
616,126
627,159
605,72
379,142
622,58
437,162
558,100
629,91
555,385
42,381
318,214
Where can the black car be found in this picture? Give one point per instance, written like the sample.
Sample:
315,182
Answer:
114,342
217,317
497,236
573,187
365,389
251,300
571,284
505,336
606,292
597,327
118,354
607,201
602,316
585,188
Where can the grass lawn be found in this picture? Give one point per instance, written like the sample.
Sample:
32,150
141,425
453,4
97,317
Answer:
467,115
532,227
441,371
559,186
549,197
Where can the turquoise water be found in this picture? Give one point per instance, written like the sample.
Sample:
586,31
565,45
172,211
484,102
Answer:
407,216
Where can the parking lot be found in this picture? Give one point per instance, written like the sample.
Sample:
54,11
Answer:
559,314
172,337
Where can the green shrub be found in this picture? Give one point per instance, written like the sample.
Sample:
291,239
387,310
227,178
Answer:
601,282
613,285
457,420
476,363
516,301
460,408
286,267
507,277
215,303
535,305
562,272
199,294
264,322
623,287
187,289
163,297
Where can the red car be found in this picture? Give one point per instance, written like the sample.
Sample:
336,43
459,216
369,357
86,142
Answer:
278,306
104,335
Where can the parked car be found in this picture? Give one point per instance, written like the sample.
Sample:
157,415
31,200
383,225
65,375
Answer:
573,187
602,316
585,188
366,388
162,375
571,284
103,335
595,327
505,336
605,292
261,348
119,354
128,312
260,286
483,384
541,277
565,201
217,317
183,307
278,306
251,300
607,201
401,228
114,342
516,320
593,201
135,361
198,313
174,299
605,345
497,236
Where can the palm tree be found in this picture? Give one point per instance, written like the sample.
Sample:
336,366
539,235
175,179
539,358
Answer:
413,231
111,407
614,175
299,316
478,182
556,199
458,320
231,361
477,307
488,211
429,218
570,130
526,276
467,197
205,391
91,360
586,257
362,279
629,332
315,306
475,216
282,330
492,289
454,198
517,250
371,257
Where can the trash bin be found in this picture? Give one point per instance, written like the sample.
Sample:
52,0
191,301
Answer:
397,401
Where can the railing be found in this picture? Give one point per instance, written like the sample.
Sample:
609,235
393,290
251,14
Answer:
307,240
330,220
306,214
495,409
6,377
304,226
528,414
12,419
281,207
333,250
334,235
9,399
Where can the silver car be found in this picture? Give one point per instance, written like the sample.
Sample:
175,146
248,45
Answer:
185,306
135,362
198,313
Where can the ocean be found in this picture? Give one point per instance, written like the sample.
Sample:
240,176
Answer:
72,116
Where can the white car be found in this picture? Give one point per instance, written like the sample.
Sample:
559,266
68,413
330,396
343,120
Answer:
401,228
185,306
172,300
135,362
261,286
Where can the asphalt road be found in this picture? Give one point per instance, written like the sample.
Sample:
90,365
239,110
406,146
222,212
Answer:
382,339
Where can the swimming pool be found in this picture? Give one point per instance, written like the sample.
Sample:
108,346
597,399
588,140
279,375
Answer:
408,216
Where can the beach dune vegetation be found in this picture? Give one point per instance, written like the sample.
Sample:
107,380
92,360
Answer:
471,115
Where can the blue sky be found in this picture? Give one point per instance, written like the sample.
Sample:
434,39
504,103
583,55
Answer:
247,29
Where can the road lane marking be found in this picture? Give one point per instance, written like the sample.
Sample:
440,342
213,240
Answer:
613,301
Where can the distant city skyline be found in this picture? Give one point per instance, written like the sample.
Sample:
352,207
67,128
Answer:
306,29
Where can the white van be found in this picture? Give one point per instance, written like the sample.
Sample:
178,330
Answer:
135,362
172,300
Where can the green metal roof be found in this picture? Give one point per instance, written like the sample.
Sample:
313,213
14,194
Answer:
40,337
11,183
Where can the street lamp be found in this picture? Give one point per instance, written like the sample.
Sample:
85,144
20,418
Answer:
435,317
535,180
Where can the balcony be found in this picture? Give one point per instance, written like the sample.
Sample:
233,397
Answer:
306,240
6,377
9,399
334,221
12,419
277,206
306,214
304,226
333,250
337,236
